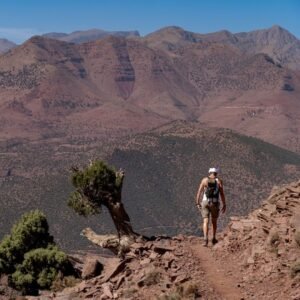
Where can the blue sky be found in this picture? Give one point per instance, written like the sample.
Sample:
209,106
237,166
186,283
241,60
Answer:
21,19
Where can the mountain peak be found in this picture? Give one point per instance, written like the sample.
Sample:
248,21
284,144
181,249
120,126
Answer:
276,29
6,45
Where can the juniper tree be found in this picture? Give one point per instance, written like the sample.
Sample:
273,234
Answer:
99,185
29,255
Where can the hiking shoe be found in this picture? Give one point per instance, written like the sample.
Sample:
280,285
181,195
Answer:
214,241
205,243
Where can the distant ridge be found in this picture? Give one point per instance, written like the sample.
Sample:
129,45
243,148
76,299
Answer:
275,41
83,36
6,45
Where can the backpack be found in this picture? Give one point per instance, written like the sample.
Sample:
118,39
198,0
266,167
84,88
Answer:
212,190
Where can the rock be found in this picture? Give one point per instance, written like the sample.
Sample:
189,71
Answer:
181,278
137,246
107,291
145,261
120,281
236,226
82,286
141,282
178,252
113,268
153,255
91,268
179,238
250,261
161,249
77,262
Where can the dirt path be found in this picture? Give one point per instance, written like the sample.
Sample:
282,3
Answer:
216,274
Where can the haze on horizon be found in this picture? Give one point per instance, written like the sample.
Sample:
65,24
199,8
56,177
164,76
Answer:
20,20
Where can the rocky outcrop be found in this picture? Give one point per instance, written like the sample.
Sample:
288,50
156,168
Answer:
266,245
151,270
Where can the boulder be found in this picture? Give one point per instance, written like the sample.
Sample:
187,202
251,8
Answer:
91,268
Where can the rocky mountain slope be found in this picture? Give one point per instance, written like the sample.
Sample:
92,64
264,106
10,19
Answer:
117,85
257,257
5,45
265,246
163,169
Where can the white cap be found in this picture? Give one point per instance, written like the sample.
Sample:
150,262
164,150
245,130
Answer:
212,170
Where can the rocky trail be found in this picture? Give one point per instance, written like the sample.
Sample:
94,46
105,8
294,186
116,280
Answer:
217,273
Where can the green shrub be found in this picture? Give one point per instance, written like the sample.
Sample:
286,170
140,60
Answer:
39,268
32,231
29,256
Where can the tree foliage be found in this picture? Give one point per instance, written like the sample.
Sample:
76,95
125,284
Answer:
29,254
95,185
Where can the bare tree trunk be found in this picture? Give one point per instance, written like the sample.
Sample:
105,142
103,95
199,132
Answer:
121,219
117,245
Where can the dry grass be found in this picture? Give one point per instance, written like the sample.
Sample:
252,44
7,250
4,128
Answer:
129,293
152,277
188,290
61,283
172,296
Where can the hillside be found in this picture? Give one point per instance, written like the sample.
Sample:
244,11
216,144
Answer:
257,257
169,162
265,246
163,169
117,85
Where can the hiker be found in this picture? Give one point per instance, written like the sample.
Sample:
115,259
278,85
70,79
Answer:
211,187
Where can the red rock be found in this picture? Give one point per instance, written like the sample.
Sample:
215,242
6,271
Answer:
107,291
153,255
162,249
113,268
120,282
91,268
181,278
145,261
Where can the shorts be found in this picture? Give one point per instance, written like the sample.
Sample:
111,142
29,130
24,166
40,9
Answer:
209,208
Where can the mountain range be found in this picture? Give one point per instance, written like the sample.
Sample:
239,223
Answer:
275,41
120,85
